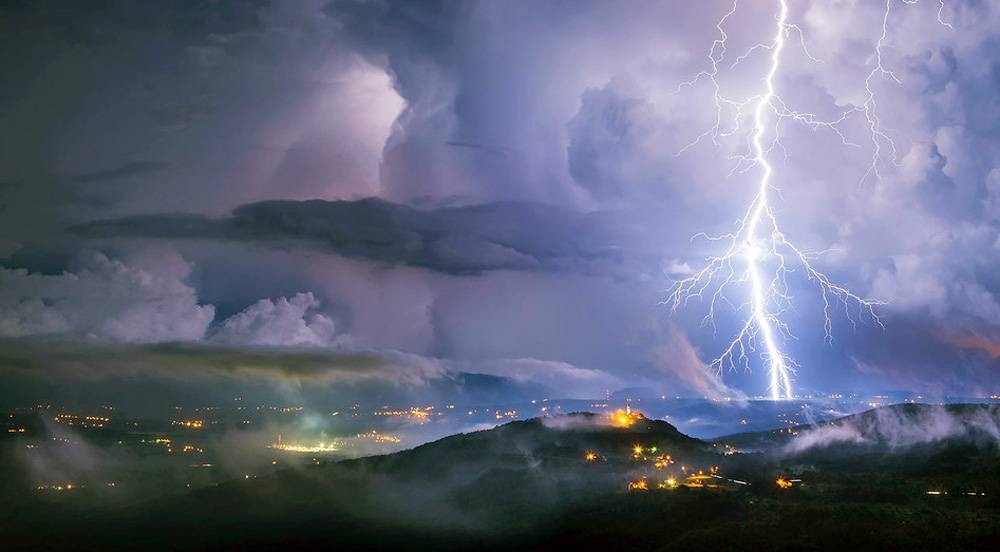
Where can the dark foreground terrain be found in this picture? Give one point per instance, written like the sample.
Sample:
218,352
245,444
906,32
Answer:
912,477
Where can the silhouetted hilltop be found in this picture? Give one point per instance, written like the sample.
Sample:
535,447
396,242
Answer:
890,428
570,481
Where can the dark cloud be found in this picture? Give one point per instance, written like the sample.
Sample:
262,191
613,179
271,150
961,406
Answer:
609,139
470,239
507,76
96,360
136,168
146,377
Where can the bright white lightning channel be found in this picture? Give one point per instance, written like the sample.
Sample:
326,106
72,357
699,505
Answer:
758,241
777,365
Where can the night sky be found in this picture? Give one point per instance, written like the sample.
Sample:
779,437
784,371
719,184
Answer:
318,196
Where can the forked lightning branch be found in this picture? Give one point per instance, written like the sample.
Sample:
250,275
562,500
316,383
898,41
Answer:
757,256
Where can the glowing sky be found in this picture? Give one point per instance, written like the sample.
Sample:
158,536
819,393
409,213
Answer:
499,186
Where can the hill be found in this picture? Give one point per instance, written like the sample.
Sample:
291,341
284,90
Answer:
891,428
578,480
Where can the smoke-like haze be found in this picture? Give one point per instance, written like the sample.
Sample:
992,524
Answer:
904,426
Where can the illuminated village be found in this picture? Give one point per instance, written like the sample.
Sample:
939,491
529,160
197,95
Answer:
186,440
628,465
657,468
331,446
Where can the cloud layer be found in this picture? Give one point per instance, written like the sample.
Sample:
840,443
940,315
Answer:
498,185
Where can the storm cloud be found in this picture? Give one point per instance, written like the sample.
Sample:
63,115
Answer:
468,239
501,187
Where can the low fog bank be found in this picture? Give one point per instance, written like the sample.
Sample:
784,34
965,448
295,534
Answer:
904,426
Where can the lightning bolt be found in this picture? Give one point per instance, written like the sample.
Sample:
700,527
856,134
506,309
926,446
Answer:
757,254
762,318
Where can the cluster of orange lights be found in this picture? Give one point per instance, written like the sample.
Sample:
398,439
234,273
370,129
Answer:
413,413
624,418
783,483
662,461
640,452
332,446
700,479
58,487
190,424
82,421
379,437
167,443
500,415
668,483
638,485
